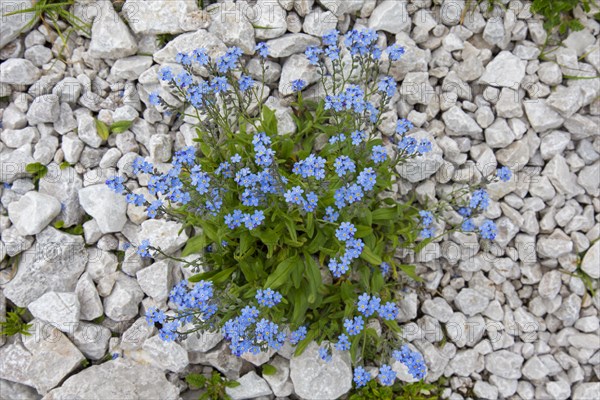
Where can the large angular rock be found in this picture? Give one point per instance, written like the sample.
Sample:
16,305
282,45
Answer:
64,185
163,235
471,301
422,167
505,70
251,386
33,212
44,109
110,36
291,43
156,17
540,116
231,25
504,363
313,377
53,264
565,182
390,16
107,207
187,42
280,381
19,71
13,25
458,123
122,303
90,305
61,309
116,379
591,261
166,355
43,360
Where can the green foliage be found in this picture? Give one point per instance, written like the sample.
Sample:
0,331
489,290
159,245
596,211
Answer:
37,170
558,14
104,130
73,230
163,39
268,369
214,386
14,323
411,391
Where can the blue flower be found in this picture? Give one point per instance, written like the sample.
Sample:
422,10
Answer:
480,198
424,146
388,311
403,125
395,51
153,208
338,268
236,159
262,49
228,61
245,83
311,202
254,220
154,315
183,79
354,327
235,219
312,53
427,233
504,174
343,165
330,214
412,359
468,225
154,99
294,196
298,335
426,217
219,84
345,232
331,37
386,375
385,268
379,154
168,332
488,230
116,184
165,74
358,137
135,199
311,166
387,85
343,343
465,211
324,354
298,85
367,179
200,56
183,59
353,193
268,298
142,249
361,377
408,145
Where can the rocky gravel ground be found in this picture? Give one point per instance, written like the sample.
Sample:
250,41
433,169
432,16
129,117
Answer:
511,320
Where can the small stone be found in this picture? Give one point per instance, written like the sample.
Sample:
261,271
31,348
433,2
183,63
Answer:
568,312
505,70
591,261
44,109
466,362
271,17
555,245
550,284
110,36
14,25
504,364
251,386
59,309
92,340
64,185
90,305
160,148
122,303
163,234
565,182
534,369
558,390
566,100
471,302
499,134
291,43
155,280
296,67
107,207
33,212
390,16
130,68
550,73
312,377
586,390
186,43
279,381
438,308
484,390
18,71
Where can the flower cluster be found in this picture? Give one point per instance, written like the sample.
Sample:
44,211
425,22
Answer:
246,333
268,298
413,360
368,305
353,249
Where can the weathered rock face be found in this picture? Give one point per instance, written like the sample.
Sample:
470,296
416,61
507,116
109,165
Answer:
41,360
54,263
159,16
314,378
116,379
107,207
33,212
13,25
110,36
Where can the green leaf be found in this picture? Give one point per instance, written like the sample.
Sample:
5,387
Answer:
64,165
120,126
37,169
364,273
304,342
300,306
384,214
268,369
196,381
362,231
59,224
410,271
232,384
377,281
313,275
102,129
282,273
310,225
194,245
369,256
